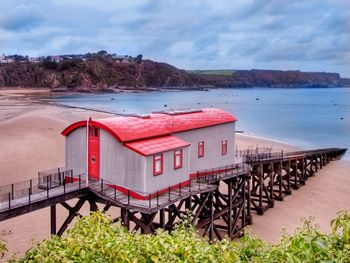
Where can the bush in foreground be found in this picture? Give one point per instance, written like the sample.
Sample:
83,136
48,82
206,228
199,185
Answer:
95,239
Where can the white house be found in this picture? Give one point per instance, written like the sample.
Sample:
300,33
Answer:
149,153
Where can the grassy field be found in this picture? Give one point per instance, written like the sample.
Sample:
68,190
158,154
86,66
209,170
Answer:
220,72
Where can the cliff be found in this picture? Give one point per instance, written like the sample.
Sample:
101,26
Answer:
274,78
99,74
105,74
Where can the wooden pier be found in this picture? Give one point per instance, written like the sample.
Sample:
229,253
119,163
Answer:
219,199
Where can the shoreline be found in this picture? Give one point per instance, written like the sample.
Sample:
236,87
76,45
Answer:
31,142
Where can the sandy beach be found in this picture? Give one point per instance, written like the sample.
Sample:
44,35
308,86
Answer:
30,141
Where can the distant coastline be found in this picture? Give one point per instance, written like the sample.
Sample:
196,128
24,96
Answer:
101,73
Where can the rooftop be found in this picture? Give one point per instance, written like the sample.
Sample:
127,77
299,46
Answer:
133,128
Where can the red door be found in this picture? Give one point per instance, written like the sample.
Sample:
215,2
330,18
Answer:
94,153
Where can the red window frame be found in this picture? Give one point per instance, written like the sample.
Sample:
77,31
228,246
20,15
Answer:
157,158
200,149
178,152
224,147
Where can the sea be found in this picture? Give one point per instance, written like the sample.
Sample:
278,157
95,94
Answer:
309,118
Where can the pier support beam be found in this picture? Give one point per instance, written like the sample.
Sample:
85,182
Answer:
53,219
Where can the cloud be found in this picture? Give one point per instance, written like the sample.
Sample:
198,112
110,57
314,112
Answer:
302,34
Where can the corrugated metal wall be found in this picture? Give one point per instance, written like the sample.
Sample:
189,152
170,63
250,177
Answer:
212,136
170,176
76,151
120,165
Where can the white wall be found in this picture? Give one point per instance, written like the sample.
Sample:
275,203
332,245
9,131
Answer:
170,176
212,137
120,165
76,151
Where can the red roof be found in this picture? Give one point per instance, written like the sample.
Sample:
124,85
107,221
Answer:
157,145
127,129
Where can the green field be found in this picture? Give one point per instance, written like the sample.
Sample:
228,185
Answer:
220,72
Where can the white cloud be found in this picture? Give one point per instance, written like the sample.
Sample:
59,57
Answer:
304,35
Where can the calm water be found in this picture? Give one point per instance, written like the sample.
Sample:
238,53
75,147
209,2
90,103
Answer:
308,118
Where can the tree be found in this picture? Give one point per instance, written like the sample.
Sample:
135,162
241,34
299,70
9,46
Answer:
48,64
138,59
102,53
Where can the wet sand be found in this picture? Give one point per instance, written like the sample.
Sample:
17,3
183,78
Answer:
30,141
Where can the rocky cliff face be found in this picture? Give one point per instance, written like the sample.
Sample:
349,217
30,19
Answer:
106,74
275,78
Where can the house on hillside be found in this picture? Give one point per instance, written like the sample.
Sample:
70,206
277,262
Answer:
55,59
149,153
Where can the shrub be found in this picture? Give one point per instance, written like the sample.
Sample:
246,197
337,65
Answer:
95,239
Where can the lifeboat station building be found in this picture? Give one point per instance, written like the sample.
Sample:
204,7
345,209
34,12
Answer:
145,154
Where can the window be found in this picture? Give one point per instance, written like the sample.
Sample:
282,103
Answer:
200,149
157,164
93,131
223,147
177,158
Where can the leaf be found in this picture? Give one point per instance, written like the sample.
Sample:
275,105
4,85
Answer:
154,258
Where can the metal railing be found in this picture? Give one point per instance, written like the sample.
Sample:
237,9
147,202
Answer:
36,189
139,199
256,150
199,182
257,157
222,172
54,177
265,156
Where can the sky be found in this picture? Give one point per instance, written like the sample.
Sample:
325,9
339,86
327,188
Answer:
308,35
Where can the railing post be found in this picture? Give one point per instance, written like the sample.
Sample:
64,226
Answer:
9,197
79,181
169,193
47,186
189,186
64,185
157,198
102,186
128,197
149,200
12,191
30,189
115,193
180,189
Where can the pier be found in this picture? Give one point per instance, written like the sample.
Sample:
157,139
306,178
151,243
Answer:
221,200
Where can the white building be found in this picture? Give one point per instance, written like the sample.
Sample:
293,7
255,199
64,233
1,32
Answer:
146,154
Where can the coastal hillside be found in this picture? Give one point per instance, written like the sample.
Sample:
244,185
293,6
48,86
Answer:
105,73
93,75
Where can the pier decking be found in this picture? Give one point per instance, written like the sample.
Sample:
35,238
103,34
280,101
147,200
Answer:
220,199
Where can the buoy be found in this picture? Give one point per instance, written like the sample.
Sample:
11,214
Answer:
165,105
342,118
112,98
257,99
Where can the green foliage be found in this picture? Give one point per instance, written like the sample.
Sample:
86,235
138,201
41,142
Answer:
3,247
95,239
48,64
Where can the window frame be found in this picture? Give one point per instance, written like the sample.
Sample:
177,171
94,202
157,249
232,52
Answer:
93,131
155,159
181,158
200,149
224,147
